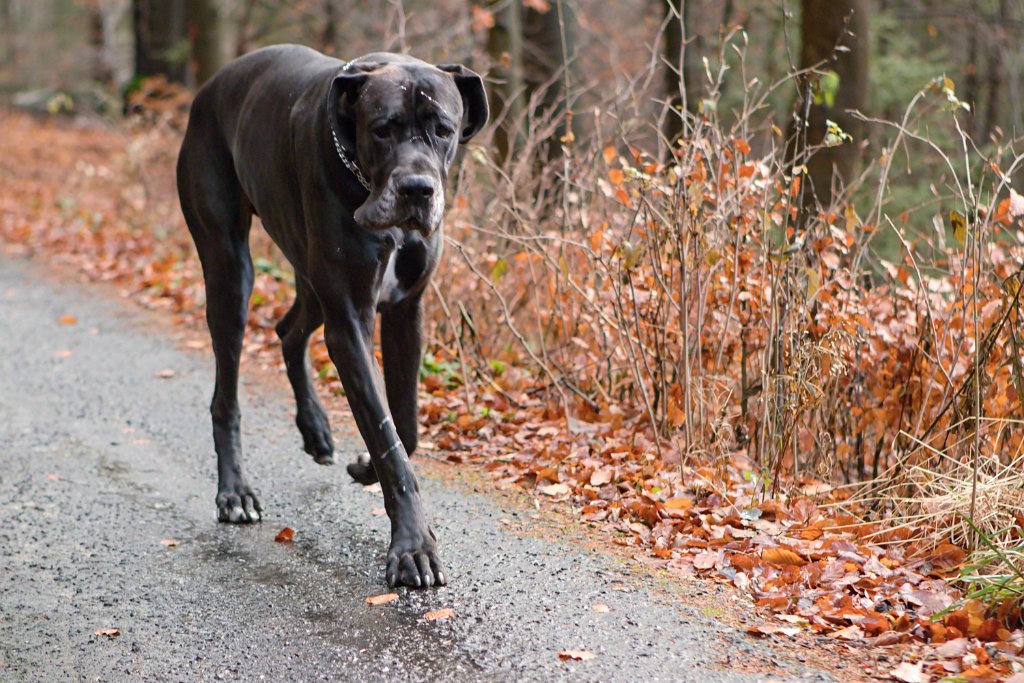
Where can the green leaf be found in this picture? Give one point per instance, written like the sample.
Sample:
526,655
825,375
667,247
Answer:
825,88
500,268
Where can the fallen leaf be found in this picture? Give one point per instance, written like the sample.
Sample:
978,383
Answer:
601,608
705,560
440,614
601,477
383,599
555,490
63,353
110,632
771,629
164,374
170,542
783,556
377,512
67,320
575,655
910,673
849,633
285,535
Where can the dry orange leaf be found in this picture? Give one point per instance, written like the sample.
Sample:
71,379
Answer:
616,176
783,556
285,535
381,599
67,320
440,614
575,655
109,632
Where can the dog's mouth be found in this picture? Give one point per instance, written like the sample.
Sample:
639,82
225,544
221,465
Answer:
385,209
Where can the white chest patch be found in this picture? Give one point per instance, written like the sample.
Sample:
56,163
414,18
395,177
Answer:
391,291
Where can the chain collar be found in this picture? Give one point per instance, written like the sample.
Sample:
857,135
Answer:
350,164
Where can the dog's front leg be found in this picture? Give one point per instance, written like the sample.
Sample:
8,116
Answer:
412,558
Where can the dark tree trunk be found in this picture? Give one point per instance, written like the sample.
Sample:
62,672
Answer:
971,69
505,48
329,36
205,35
994,82
160,38
8,46
548,63
682,72
826,24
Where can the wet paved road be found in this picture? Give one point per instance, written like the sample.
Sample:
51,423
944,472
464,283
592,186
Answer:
100,460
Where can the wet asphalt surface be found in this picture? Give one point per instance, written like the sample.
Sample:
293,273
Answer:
101,460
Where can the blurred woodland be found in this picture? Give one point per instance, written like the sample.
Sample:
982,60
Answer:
718,271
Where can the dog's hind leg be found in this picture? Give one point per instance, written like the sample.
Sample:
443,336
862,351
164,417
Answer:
219,216
294,330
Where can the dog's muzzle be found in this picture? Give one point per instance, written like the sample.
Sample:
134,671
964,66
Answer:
411,201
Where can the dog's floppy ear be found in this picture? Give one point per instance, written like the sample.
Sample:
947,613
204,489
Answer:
474,99
343,93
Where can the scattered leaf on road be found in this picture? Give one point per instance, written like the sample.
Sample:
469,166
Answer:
67,320
165,374
381,599
555,490
601,608
110,632
910,673
63,353
377,512
170,542
440,614
576,655
285,535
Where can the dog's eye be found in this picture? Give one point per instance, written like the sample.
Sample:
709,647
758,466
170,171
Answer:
381,132
442,131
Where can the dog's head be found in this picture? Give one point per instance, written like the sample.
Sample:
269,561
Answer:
402,120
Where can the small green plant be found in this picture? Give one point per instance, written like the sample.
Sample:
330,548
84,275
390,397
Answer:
446,370
995,574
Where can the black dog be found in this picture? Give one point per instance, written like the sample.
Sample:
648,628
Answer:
346,165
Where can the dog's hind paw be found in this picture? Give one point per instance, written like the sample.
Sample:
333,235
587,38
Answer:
362,470
316,435
238,507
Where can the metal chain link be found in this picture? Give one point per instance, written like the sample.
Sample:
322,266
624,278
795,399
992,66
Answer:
349,163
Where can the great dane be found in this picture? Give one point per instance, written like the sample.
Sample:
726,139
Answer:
345,164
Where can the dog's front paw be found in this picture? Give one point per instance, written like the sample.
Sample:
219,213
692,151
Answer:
238,505
413,560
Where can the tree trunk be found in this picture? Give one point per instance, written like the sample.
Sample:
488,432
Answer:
160,38
548,62
994,82
205,35
971,69
682,74
825,25
329,36
505,47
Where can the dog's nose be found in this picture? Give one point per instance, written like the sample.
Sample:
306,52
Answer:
416,188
